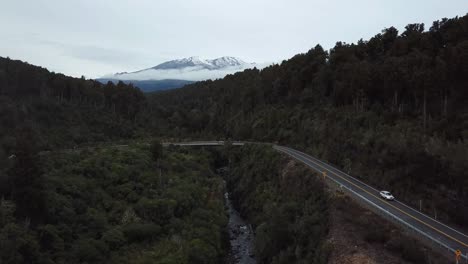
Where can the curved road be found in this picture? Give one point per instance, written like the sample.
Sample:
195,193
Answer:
436,232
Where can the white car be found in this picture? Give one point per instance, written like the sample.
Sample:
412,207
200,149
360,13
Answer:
387,195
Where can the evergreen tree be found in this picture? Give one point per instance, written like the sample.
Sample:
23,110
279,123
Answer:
26,177
156,149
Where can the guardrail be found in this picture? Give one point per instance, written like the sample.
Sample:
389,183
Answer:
367,185
386,212
394,217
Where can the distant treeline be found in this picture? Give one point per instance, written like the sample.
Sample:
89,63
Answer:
416,74
148,86
64,111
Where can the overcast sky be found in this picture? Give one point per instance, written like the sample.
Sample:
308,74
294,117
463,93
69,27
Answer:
97,37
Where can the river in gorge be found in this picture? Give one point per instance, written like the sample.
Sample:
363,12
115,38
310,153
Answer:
241,237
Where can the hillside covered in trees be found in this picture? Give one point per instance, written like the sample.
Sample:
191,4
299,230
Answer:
61,110
392,110
40,110
135,204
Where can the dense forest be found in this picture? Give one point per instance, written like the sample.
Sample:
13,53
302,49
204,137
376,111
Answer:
134,204
392,110
63,111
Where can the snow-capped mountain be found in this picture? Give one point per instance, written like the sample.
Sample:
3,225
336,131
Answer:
214,64
177,73
190,69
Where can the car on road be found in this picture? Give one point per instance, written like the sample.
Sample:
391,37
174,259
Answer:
387,195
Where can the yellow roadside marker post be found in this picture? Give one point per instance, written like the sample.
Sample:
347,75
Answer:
324,173
457,255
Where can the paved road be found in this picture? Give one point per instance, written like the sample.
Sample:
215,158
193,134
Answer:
435,229
397,210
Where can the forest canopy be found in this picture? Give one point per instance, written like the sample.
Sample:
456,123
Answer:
391,110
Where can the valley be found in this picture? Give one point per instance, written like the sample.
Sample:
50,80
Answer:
238,162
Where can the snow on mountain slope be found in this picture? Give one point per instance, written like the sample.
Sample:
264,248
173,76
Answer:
191,69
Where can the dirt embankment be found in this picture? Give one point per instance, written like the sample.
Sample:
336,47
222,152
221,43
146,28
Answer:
359,236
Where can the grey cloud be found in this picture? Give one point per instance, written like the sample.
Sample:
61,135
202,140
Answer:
96,37
96,53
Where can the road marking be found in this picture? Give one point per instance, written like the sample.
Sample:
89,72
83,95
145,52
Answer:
325,164
310,160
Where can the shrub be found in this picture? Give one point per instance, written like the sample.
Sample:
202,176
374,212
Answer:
49,238
159,211
412,252
114,238
202,252
156,149
407,248
90,250
138,232
375,235
17,245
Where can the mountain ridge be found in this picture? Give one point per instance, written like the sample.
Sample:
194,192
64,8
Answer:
184,71
210,64
191,64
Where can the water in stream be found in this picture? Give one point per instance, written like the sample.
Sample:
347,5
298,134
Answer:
241,237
